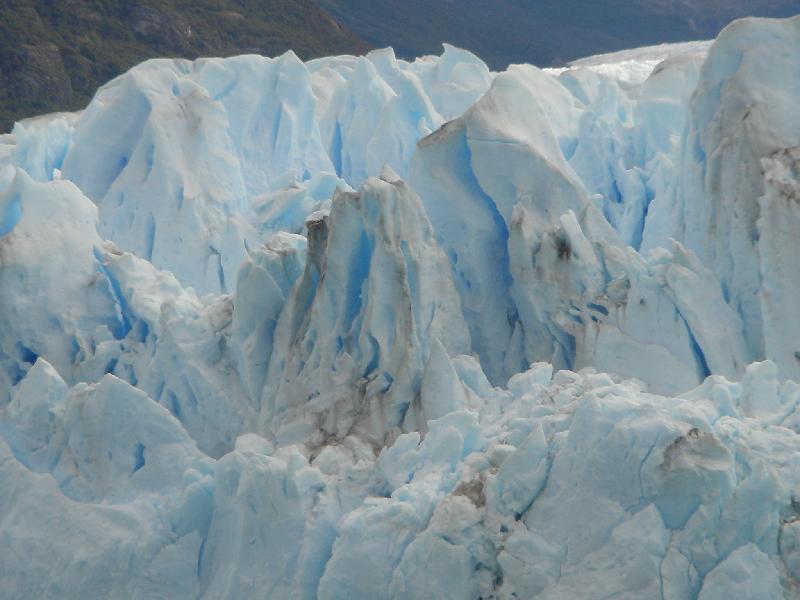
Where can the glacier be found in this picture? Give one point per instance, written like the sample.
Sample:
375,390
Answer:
369,328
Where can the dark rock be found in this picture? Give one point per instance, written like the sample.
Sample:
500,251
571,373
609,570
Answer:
37,71
161,26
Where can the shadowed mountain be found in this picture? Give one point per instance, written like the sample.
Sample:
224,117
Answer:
542,32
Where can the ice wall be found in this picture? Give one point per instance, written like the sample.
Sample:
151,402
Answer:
376,329
564,485
351,345
178,155
542,266
737,196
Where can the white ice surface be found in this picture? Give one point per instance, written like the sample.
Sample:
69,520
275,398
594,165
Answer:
369,328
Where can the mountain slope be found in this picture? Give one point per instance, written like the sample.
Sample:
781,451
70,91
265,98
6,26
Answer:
54,55
541,32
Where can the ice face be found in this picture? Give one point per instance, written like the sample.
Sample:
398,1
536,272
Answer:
176,154
352,342
555,485
55,302
743,131
542,269
369,328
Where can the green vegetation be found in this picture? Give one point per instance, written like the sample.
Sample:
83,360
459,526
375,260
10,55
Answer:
55,53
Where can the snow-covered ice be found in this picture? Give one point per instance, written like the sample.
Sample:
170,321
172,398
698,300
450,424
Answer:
369,328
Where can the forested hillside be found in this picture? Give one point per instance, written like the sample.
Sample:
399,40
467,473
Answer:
55,53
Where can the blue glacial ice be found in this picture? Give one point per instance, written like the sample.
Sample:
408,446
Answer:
369,328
